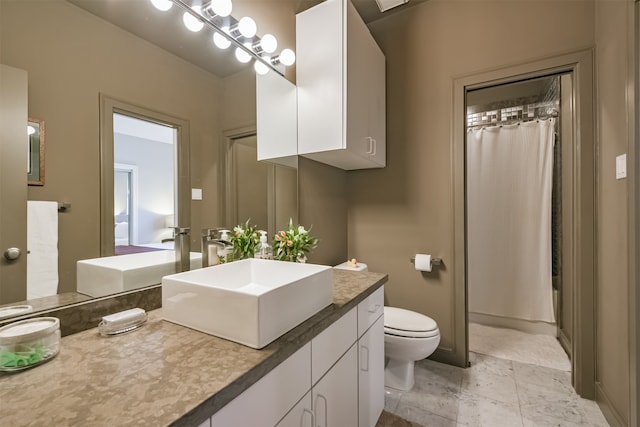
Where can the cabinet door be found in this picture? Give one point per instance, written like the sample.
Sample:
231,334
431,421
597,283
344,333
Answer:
335,397
319,77
377,103
358,88
371,374
271,397
301,415
276,118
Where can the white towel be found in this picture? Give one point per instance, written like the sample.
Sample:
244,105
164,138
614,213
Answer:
42,244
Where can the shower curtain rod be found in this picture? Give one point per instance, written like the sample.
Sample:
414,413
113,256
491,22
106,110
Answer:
508,115
512,122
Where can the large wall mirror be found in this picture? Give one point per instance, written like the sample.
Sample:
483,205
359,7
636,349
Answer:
265,193
130,52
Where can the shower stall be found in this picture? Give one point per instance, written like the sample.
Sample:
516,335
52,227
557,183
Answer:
514,204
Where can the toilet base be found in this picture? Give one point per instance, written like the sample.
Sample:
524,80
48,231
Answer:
399,375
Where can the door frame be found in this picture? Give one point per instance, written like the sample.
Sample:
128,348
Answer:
132,170
583,265
109,106
633,167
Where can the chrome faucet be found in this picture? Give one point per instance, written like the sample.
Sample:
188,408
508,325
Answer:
182,249
210,246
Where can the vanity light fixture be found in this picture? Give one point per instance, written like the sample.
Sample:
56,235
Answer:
221,41
245,27
268,43
242,55
216,15
30,130
287,57
260,68
191,22
162,5
215,8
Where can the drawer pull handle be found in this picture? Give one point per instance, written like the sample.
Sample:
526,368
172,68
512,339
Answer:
371,150
374,308
364,358
311,414
326,408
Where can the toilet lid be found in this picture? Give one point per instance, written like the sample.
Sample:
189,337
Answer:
406,323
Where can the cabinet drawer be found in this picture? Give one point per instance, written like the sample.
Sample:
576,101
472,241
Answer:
332,343
271,397
369,310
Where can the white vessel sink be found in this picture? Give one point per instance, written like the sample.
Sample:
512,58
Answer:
108,275
252,301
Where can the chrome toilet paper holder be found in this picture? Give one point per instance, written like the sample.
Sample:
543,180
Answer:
434,261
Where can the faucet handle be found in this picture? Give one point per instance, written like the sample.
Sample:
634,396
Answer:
181,230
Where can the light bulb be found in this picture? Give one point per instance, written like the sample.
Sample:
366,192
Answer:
221,41
269,43
191,22
162,5
287,57
31,130
260,68
215,8
247,27
242,56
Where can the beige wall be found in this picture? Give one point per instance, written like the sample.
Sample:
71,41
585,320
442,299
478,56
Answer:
406,208
72,56
612,30
322,201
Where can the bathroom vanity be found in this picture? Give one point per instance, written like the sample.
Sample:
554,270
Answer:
329,369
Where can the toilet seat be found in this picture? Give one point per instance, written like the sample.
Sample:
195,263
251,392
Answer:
409,324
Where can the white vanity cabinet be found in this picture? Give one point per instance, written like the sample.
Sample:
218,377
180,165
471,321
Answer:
371,374
371,359
268,400
335,396
340,72
276,119
335,380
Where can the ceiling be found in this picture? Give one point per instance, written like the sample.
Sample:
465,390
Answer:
165,29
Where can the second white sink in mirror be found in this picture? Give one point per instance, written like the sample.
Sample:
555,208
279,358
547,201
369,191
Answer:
109,275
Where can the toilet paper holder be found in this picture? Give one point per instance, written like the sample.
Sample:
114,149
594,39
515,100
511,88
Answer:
434,261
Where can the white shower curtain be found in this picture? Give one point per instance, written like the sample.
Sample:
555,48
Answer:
509,179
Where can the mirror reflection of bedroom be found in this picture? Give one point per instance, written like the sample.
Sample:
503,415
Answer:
143,188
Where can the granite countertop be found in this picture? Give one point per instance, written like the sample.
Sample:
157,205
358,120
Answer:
161,374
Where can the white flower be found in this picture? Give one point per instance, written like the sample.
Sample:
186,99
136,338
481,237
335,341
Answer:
301,230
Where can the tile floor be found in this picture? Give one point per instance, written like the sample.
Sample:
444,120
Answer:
493,392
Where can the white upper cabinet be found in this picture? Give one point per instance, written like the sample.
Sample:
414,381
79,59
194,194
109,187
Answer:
340,72
276,118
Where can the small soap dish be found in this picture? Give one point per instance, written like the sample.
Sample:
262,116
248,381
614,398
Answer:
14,310
122,322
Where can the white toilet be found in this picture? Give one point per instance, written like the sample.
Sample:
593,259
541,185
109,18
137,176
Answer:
408,336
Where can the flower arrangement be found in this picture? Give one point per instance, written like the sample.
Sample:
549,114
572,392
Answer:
293,244
244,239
